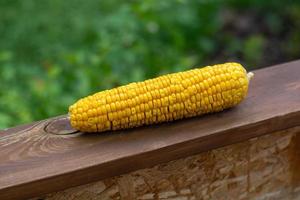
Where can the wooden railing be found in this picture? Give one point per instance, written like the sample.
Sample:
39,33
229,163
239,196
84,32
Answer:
34,161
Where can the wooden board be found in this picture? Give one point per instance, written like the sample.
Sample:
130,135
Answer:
34,162
261,168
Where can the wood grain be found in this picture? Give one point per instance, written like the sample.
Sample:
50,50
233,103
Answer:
295,160
35,162
259,168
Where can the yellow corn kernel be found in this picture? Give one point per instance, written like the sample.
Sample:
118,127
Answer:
166,98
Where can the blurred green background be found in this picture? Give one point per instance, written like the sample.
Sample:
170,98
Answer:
54,52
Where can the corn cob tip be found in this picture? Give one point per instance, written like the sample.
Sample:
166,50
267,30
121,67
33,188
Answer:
250,75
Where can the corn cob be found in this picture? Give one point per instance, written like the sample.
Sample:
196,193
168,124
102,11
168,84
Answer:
166,98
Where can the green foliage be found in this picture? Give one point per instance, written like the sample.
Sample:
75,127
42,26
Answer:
253,49
54,52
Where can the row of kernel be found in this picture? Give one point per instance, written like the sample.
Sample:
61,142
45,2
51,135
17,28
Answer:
157,103
133,118
160,91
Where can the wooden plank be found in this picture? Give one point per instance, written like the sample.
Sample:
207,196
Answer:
259,168
34,162
295,172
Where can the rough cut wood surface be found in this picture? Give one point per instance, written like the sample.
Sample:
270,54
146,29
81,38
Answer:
35,162
260,168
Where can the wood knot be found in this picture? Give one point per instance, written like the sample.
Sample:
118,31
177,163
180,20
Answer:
60,126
